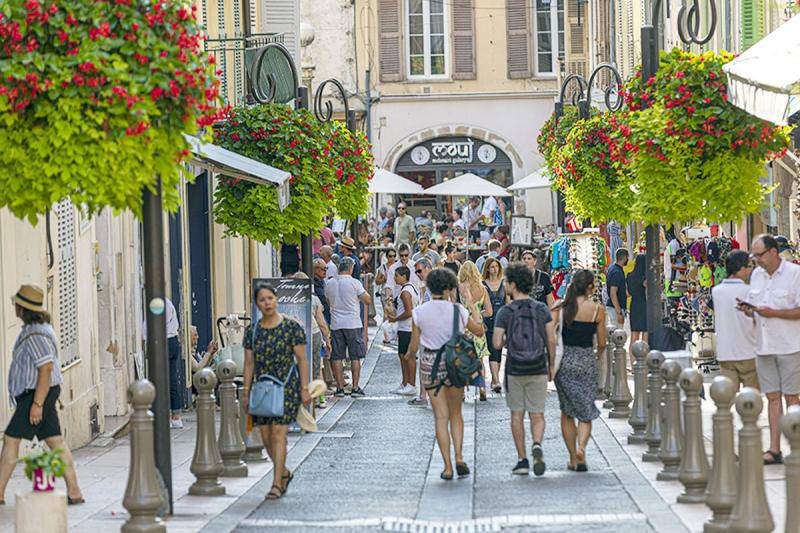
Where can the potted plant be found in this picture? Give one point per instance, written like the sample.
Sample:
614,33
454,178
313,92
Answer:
43,468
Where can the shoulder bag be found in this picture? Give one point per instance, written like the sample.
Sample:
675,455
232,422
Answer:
268,392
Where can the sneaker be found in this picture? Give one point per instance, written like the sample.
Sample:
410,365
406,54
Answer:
400,389
175,423
408,390
522,468
321,404
538,459
358,391
339,393
418,401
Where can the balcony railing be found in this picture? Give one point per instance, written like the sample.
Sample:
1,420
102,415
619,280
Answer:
235,57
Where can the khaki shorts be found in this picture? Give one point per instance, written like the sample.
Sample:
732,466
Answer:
779,373
742,373
526,393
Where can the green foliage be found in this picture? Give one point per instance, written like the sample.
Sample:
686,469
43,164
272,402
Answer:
94,98
330,172
49,461
554,133
590,172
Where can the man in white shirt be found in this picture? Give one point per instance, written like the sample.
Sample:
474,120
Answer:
473,216
736,332
175,364
774,300
425,251
345,295
326,253
458,222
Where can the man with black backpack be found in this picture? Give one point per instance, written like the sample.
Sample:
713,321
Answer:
526,329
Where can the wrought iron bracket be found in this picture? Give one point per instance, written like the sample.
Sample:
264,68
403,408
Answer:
266,95
323,109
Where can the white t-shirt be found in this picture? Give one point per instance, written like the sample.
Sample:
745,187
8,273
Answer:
331,270
390,283
460,224
405,325
343,292
781,290
316,303
435,322
489,207
736,332
431,255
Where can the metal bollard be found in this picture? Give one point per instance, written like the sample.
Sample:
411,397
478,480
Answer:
621,398
231,443
669,452
751,512
207,462
638,418
652,434
790,425
721,490
608,383
693,471
142,494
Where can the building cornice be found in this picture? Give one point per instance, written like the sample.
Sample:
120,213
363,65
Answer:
515,95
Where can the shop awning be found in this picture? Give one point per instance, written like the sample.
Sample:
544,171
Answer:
467,185
765,80
217,159
386,182
537,180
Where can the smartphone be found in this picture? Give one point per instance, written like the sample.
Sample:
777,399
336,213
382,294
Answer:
744,305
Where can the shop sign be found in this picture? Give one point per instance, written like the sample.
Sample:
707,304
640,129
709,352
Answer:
452,152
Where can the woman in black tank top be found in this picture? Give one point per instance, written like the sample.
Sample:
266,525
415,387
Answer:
579,319
493,281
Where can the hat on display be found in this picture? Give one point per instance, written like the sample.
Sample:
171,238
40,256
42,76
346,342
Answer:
347,242
31,297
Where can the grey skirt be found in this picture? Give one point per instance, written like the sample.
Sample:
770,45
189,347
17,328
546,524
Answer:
576,382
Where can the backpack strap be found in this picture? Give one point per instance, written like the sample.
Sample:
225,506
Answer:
596,312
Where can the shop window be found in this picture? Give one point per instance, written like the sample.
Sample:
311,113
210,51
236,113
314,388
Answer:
67,305
548,31
427,39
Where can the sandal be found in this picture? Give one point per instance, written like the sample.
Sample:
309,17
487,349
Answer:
571,468
274,493
445,476
287,478
482,395
462,469
75,501
497,389
775,458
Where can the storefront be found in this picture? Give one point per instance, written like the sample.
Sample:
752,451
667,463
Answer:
437,160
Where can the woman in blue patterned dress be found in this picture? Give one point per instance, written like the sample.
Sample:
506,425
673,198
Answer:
276,345
576,379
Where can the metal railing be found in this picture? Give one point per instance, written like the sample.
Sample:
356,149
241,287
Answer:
234,56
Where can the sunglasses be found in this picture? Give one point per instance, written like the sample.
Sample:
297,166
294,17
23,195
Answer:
391,256
759,255
401,208
403,255
418,271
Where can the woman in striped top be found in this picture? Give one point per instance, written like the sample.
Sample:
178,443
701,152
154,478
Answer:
34,383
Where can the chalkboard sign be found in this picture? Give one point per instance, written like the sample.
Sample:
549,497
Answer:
294,301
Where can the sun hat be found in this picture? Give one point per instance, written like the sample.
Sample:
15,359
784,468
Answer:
31,297
347,242
304,418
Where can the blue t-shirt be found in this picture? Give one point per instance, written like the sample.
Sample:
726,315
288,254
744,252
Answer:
616,278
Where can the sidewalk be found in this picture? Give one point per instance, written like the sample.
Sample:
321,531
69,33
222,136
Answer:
103,475
694,515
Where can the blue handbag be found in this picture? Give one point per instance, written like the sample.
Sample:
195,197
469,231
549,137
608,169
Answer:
267,394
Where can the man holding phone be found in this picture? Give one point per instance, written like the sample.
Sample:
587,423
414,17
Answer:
774,301
736,333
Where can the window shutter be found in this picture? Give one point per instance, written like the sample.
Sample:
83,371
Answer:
577,38
390,39
752,22
67,283
518,32
463,40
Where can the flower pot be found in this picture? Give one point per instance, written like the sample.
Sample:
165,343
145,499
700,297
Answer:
43,482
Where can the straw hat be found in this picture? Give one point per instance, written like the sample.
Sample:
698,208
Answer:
304,418
348,242
30,297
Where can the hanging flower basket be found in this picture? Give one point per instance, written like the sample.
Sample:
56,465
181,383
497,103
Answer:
95,96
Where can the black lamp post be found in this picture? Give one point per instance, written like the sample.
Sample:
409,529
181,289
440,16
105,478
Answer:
689,33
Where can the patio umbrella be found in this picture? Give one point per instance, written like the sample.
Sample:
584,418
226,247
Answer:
467,185
765,80
535,180
386,182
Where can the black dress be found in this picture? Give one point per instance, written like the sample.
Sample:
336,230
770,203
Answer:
638,305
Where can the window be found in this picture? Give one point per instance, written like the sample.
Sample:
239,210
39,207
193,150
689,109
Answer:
548,24
427,39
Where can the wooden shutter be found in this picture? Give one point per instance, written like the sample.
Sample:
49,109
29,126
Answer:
390,40
577,38
518,32
463,40
752,22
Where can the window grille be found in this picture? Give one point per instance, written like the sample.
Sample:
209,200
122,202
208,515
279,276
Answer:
67,321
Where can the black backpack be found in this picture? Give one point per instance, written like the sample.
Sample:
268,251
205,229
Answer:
525,337
460,357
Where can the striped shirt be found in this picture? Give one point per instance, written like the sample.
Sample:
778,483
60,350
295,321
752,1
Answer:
35,347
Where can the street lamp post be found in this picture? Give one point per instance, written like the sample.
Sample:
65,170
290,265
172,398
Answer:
689,33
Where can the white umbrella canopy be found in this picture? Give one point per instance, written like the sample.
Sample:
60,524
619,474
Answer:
765,80
536,180
386,182
466,185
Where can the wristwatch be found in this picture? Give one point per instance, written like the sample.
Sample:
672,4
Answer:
37,404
